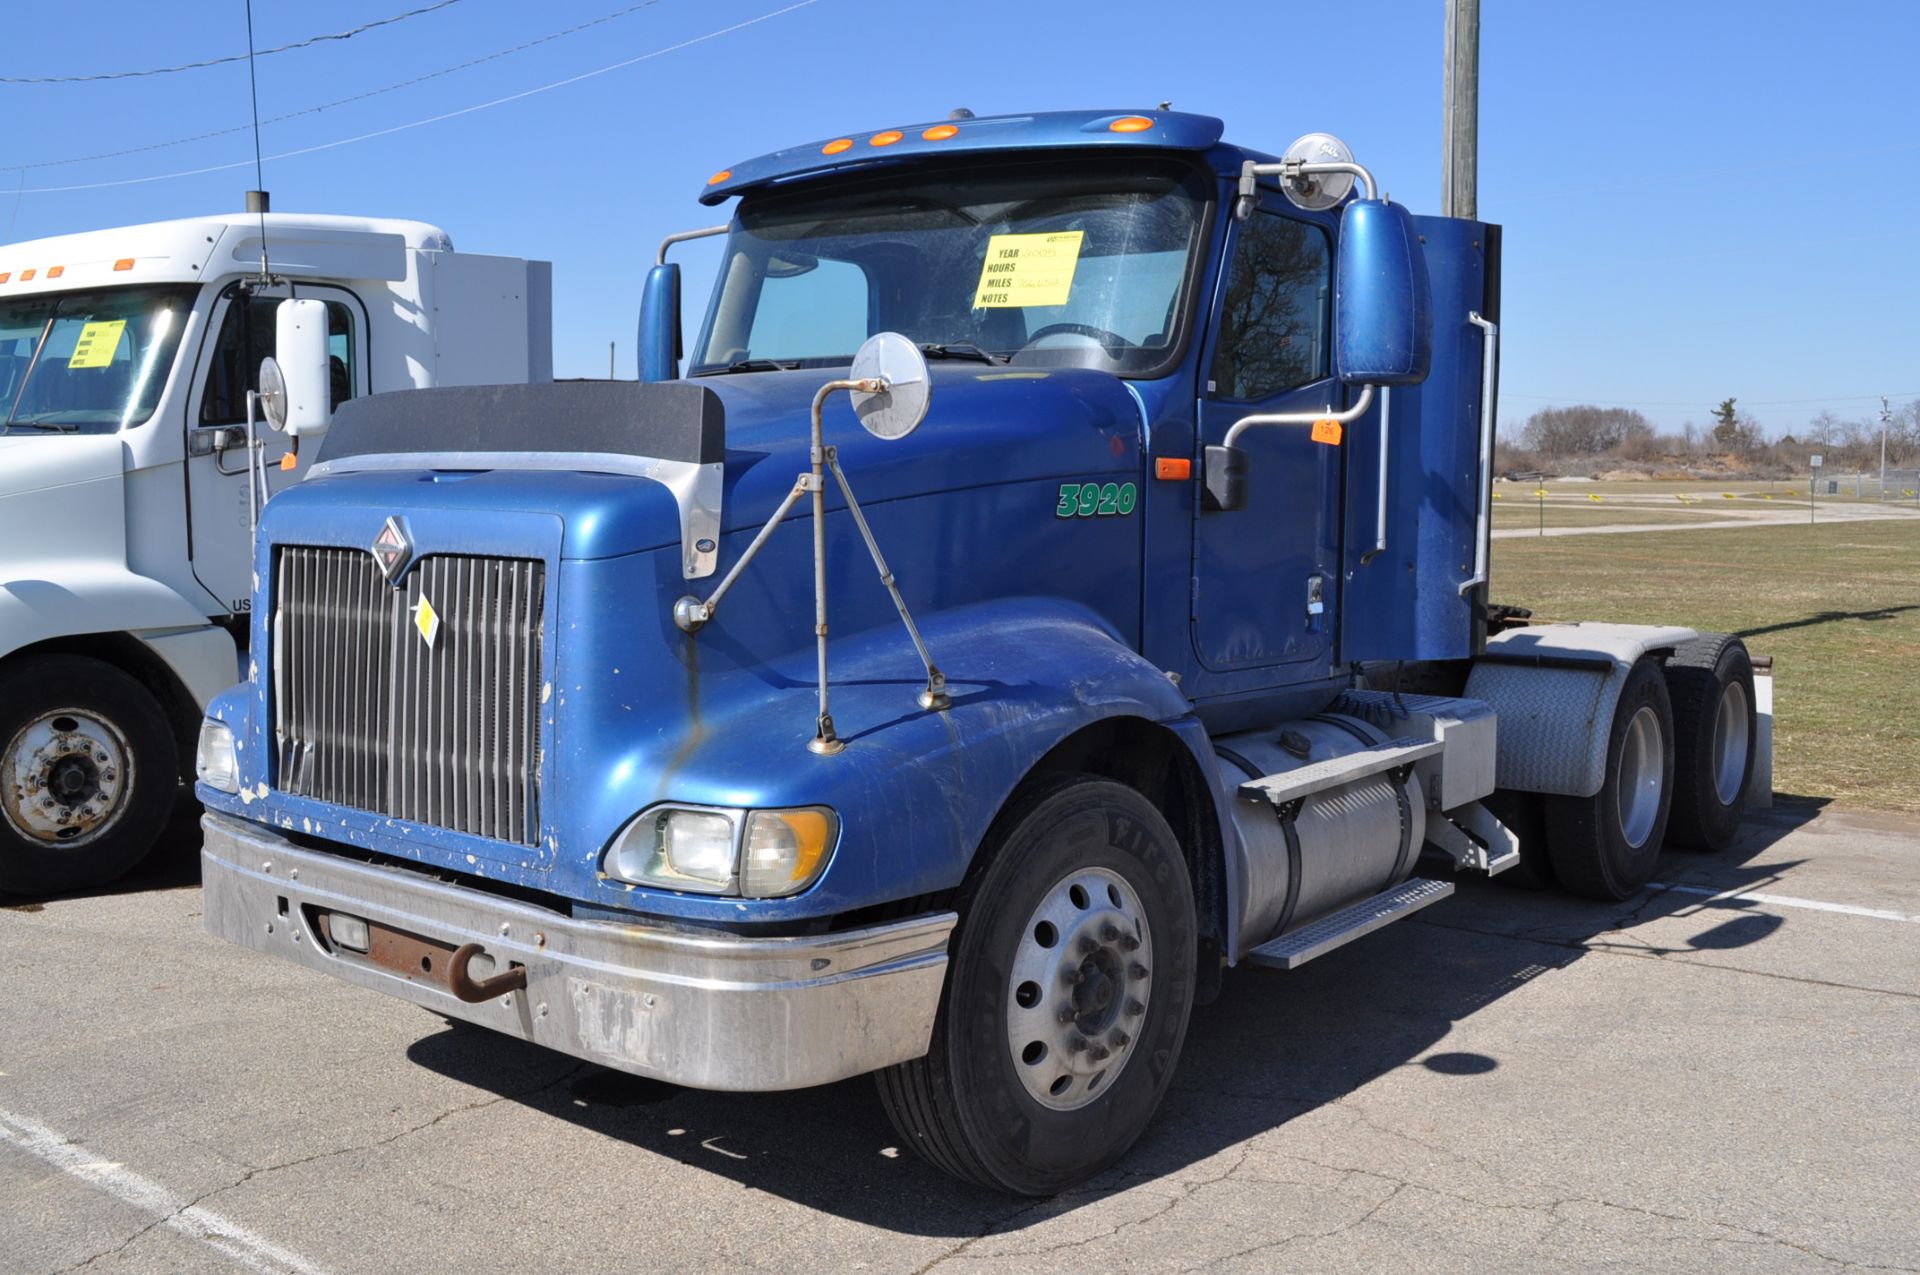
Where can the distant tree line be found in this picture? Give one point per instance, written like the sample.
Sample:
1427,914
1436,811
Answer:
1581,437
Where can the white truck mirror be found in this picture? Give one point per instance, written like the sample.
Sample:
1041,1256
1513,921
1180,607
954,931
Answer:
300,349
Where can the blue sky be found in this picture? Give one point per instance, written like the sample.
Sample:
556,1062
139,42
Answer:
1700,199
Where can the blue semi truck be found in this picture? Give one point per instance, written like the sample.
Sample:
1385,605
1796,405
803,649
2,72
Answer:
1060,575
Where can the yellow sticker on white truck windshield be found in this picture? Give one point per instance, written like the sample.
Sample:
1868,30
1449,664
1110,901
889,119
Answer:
97,343
1028,270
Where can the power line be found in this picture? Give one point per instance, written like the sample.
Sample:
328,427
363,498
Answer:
237,57
339,102
431,119
1771,402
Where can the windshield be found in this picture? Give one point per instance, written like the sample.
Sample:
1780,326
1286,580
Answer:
1072,263
89,362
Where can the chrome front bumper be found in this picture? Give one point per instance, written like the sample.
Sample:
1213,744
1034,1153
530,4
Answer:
709,1011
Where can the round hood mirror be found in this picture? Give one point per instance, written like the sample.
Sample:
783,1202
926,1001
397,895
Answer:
273,393
898,410
1319,191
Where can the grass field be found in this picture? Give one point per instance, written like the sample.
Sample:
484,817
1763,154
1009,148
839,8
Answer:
1838,607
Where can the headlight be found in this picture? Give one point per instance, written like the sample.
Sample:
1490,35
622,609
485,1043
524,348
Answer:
215,761
760,854
785,850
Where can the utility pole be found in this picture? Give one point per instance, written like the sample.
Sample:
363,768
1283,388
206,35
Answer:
1886,422
1460,160
610,375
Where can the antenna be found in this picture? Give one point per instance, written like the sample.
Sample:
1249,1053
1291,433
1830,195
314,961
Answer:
259,171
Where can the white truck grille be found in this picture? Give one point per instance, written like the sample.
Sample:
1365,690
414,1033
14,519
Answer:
420,702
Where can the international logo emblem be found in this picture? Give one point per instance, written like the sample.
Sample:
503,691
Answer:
391,549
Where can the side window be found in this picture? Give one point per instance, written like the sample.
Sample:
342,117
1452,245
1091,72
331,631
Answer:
1275,321
820,312
246,337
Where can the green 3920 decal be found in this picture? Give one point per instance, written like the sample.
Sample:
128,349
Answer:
1096,500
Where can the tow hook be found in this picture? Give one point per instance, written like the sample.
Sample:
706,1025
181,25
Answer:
472,991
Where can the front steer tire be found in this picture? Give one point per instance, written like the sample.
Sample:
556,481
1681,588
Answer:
1088,858
88,774
1606,846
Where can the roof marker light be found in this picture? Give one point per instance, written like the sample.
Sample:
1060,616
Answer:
26,275
5,275
1130,124
125,263
837,145
940,132
719,177
887,138
54,272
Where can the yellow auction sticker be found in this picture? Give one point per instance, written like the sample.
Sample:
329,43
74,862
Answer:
97,343
1028,270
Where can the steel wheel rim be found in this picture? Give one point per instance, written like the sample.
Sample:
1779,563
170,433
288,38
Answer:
65,778
1079,988
1730,744
1642,776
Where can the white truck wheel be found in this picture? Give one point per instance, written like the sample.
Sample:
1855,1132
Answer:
88,773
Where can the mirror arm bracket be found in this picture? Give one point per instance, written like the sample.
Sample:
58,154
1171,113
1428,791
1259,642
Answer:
1294,173
1347,417
682,236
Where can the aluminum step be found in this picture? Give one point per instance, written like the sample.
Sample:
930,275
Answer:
1290,785
1291,951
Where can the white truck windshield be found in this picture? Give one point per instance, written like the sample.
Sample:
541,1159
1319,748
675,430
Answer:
1074,263
89,362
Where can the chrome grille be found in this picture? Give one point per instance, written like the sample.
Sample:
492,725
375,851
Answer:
369,714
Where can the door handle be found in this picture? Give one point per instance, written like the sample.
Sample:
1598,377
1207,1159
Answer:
1483,530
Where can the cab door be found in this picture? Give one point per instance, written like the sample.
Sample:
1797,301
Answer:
241,333
1265,575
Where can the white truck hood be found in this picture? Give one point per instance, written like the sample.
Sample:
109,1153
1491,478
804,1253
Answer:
41,462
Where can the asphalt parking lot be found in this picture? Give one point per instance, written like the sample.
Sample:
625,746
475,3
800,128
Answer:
1508,1082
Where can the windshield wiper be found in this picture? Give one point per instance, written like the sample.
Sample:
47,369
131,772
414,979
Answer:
750,365
52,427
960,350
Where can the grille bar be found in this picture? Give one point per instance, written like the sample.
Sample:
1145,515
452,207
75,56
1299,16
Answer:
370,713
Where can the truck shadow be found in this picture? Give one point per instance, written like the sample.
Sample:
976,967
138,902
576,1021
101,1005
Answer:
1272,1048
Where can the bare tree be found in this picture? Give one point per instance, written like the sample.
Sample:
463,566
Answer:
1585,430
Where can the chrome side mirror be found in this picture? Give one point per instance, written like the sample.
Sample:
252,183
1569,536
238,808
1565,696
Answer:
897,410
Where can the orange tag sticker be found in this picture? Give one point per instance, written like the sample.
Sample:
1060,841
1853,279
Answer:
289,461
1327,432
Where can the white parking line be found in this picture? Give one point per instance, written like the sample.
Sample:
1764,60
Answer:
1784,901
243,1246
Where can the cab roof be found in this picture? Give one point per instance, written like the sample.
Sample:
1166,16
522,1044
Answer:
1044,130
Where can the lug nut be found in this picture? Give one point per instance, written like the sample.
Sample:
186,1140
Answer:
1087,946
1068,1013
1109,932
1135,1008
1073,975
1119,1039
1099,1053
1076,1043
1136,970
1129,944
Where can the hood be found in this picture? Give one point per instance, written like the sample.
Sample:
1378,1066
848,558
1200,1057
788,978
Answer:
34,461
986,426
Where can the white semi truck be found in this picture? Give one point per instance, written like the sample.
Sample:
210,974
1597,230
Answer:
130,478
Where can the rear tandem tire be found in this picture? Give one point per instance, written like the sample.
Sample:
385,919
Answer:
1605,846
1710,680
88,774
1067,996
